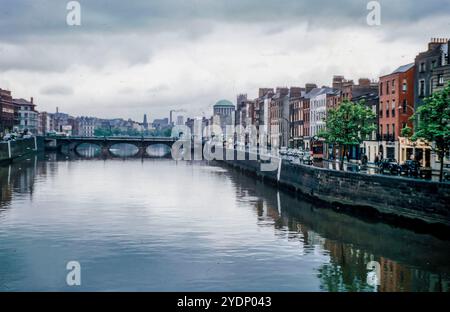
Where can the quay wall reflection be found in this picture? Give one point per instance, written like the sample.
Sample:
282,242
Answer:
409,261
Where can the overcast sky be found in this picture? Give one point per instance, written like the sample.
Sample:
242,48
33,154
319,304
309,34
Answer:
133,57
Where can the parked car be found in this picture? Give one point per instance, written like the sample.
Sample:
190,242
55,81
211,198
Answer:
389,165
446,176
307,159
410,168
10,137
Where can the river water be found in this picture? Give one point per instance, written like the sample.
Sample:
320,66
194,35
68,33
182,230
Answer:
161,225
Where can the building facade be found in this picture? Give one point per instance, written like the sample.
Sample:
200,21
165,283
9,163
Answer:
7,112
395,110
279,118
224,115
26,115
426,64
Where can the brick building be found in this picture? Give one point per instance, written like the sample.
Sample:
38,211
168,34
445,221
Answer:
7,111
396,107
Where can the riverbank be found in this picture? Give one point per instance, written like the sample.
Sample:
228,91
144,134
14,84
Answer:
10,150
416,203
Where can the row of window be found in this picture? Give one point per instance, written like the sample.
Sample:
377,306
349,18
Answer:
392,84
423,66
422,91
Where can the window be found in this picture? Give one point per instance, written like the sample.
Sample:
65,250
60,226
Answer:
404,106
404,125
422,88
387,87
393,131
381,88
422,67
381,129
393,108
393,86
387,109
405,85
433,64
440,79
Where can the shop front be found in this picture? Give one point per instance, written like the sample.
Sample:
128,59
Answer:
419,150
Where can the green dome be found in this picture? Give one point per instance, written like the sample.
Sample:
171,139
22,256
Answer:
223,103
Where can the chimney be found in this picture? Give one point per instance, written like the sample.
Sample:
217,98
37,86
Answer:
282,91
263,91
338,82
295,92
364,82
434,42
31,100
309,87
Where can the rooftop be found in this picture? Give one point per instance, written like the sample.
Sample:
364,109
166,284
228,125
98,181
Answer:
403,69
224,103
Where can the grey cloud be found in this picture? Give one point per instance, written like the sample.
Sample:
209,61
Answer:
47,17
57,90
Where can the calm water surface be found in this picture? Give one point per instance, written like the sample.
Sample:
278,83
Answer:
158,225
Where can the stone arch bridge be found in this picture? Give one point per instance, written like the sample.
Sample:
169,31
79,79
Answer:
106,143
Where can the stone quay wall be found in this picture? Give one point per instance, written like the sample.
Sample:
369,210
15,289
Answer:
412,199
14,149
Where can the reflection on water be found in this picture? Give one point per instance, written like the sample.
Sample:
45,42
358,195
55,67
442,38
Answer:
88,150
158,150
162,225
124,150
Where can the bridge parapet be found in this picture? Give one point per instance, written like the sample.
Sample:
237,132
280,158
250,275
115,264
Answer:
105,143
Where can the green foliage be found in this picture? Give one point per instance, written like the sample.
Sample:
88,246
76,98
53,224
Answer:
433,123
407,132
434,119
348,124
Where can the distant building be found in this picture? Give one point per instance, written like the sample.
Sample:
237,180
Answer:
7,111
145,122
26,115
279,118
180,120
371,146
305,113
86,126
160,123
44,123
348,89
224,114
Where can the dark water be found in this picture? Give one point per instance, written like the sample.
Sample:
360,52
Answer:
158,225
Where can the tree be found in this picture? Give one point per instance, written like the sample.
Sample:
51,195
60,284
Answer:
433,123
348,124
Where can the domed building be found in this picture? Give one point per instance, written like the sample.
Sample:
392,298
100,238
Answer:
224,114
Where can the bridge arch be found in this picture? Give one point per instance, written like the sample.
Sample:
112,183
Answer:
158,150
86,149
123,149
